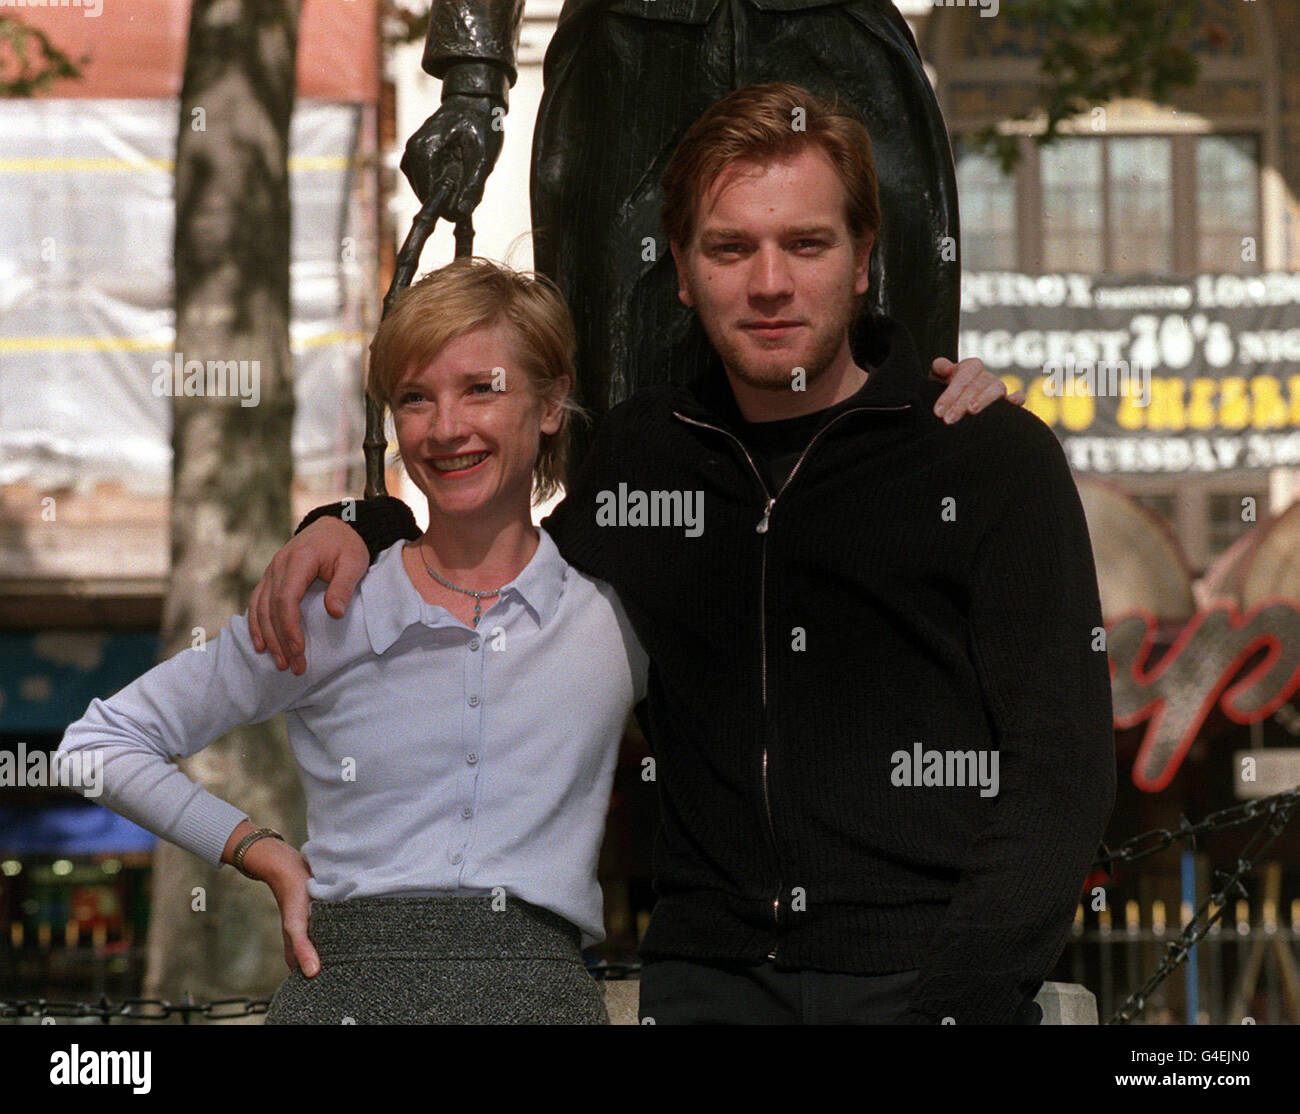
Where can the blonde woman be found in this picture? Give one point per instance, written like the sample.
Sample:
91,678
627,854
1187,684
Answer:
456,730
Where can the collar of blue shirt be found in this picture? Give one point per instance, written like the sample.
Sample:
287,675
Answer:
391,603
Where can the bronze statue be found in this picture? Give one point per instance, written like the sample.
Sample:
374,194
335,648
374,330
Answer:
623,80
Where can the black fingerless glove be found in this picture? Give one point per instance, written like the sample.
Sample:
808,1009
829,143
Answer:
381,521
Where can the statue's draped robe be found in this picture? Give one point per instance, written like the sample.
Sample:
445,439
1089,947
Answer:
624,79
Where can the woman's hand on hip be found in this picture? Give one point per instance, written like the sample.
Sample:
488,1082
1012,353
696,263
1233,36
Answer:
284,869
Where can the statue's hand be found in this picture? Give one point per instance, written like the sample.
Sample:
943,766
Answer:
458,144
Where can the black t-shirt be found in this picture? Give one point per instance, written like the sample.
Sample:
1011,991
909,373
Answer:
777,446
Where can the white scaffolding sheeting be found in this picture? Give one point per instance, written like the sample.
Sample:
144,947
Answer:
86,289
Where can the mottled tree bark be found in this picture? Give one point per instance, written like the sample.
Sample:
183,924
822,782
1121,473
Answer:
232,465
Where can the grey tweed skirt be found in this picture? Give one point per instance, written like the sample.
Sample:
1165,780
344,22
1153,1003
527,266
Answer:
440,960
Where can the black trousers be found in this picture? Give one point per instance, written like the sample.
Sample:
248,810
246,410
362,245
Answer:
682,992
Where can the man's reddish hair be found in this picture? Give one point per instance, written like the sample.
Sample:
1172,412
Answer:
761,123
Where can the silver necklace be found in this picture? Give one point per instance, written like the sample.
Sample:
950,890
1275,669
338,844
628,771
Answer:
478,596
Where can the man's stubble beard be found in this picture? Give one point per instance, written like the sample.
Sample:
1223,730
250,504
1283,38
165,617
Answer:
775,372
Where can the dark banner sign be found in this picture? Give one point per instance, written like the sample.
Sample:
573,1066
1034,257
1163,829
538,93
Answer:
1148,375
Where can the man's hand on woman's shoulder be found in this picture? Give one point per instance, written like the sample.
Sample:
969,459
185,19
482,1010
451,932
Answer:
328,549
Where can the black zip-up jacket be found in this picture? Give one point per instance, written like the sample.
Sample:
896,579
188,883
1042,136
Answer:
911,584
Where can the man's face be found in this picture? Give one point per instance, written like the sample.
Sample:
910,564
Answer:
771,269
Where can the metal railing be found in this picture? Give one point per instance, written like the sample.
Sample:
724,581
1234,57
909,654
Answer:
1243,969
1258,948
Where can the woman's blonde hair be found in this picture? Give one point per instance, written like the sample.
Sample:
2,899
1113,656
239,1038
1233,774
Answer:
474,293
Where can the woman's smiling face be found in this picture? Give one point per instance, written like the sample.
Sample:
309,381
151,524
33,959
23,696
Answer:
469,425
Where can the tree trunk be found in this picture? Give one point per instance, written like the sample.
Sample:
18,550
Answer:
212,931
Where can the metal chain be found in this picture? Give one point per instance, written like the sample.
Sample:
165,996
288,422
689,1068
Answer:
1276,809
136,1009
1128,851
221,1009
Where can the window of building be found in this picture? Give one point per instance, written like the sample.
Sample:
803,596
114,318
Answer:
1162,504
1140,205
1206,516
1232,513
1227,201
1071,182
1115,205
987,200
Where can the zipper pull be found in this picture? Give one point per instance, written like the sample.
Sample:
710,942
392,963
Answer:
767,513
